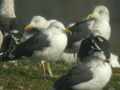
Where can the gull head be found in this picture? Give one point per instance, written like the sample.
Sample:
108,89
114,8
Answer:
100,13
38,22
56,24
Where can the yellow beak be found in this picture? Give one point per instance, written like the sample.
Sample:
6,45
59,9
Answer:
67,30
91,16
28,27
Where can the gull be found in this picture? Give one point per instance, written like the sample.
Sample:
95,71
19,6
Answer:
93,71
43,41
100,25
100,22
96,23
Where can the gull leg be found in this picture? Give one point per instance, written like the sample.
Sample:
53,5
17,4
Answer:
49,70
44,69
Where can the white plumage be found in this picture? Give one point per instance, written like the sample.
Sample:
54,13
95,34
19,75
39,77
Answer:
100,25
94,70
101,75
114,61
39,22
58,41
96,23
99,66
42,40
55,31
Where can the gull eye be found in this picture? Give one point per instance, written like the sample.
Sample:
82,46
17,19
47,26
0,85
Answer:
58,27
101,12
36,21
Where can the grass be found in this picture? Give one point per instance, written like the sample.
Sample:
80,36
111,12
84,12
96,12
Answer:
28,76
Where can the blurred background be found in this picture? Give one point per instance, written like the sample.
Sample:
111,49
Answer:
25,75
71,10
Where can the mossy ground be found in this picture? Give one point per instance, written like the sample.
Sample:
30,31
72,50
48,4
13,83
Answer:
27,76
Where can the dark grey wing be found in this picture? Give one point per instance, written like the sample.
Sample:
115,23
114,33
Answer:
79,32
38,41
92,44
85,48
76,75
104,45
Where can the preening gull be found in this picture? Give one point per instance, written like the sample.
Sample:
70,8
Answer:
96,23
